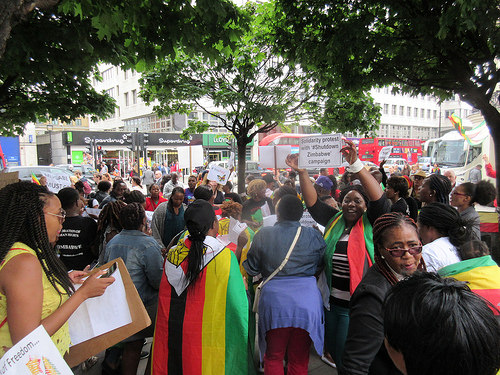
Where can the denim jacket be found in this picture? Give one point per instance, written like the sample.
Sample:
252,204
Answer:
142,256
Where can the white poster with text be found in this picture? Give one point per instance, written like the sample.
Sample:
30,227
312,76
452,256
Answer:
320,151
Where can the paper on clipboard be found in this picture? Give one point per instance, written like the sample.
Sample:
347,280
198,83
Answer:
266,211
102,314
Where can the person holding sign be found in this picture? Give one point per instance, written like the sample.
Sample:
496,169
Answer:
34,285
252,213
348,235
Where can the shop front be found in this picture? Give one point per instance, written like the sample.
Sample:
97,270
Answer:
219,146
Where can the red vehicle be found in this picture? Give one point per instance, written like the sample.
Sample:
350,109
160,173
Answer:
3,163
408,149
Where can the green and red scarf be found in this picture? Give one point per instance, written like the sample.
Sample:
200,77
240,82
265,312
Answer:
359,248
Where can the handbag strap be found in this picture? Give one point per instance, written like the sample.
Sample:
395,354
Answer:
286,258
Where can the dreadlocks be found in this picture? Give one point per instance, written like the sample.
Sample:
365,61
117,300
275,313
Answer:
381,225
23,221
109,216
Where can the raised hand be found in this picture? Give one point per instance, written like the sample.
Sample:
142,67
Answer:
292,160
349,152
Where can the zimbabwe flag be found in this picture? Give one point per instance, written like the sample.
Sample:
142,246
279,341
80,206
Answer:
201,328
482,275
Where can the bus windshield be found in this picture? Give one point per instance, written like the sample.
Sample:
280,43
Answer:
450,153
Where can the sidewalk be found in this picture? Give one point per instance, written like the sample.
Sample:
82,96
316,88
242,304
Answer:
316,366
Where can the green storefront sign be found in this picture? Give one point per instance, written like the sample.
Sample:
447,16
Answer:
219,140
76,157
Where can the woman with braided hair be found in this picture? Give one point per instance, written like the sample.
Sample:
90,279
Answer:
436,188
34,285
202,320
108,226
443,231
397,255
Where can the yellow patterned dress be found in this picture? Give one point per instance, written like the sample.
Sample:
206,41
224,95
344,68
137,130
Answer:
51,301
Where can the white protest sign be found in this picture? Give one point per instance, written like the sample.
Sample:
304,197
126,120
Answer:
230,161
218,174
56,182
267,154
235,229
190,156
183,157
384,153
320,151
93,211
34,354
266,211
308,221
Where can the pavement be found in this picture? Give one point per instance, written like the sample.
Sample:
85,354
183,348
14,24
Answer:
316,365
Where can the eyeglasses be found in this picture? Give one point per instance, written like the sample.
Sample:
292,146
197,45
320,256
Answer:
61,215
456,193
398,253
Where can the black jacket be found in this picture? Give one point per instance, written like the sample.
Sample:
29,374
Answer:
364,351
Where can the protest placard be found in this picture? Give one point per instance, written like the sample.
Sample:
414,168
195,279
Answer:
56,182
320,151
384,153
274,156
218,174
34,354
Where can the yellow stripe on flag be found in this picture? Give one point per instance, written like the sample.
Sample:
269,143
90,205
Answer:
479,278
214,313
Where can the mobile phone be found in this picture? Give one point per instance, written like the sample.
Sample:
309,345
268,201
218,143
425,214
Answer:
94,264
110,271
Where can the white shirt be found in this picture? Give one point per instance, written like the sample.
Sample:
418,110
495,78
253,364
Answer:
440,253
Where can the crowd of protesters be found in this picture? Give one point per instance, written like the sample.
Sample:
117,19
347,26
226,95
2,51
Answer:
371,285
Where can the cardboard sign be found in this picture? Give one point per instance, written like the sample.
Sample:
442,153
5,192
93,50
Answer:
8,178
320,151
267,156
384,153
34,354
218,174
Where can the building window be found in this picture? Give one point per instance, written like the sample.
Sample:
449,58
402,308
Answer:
125,74
394,109
78,122
386,90
386,109
408,111
415,112
434,114
134,96
107,74
111,92
126,99
429,113
422,113
401,110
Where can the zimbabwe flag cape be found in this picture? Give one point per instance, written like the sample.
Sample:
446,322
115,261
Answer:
359,248
201,328
482,275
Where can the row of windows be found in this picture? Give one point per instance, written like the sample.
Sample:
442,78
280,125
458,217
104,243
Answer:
401,131
216,124
388,90
152,123
408,111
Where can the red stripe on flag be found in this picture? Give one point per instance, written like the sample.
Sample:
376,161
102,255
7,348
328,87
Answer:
160,344
489,227
192,327
491,295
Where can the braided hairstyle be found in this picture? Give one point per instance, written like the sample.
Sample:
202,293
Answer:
447,221
23,221
199,217
441,186
381,225
170,203
134,196
132,216
109,216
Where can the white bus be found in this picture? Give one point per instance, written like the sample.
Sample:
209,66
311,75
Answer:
452,151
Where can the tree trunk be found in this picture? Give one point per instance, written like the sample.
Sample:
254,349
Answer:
242,150
492,118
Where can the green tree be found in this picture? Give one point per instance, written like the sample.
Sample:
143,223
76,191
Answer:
52,48
439,47
255,89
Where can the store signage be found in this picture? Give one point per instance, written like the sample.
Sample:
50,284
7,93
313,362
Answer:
120,139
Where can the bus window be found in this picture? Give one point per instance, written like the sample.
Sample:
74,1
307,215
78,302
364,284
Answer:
474,152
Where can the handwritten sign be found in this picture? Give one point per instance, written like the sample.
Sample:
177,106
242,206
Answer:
56,182
384,153
218,174
320,151
34,354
